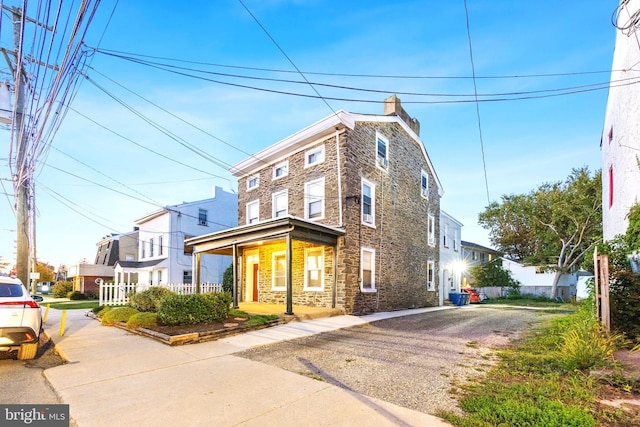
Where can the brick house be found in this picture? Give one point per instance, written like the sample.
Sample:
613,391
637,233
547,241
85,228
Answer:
342,214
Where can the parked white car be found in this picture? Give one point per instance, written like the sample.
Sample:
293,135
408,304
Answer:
20,319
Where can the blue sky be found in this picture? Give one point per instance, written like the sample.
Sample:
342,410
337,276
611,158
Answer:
526,142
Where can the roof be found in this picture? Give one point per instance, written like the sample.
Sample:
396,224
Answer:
222,242
322,129
475,246
139,264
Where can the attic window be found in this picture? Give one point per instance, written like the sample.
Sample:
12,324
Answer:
280,170
253,182
314,156
382,155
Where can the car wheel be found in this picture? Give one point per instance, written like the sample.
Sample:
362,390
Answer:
27,351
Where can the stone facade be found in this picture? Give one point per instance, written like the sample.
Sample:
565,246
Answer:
396,236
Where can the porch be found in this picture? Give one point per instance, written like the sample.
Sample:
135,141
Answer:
300,312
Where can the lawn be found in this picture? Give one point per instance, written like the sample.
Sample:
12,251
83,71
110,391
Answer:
72,305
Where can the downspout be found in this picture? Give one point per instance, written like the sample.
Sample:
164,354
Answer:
380,244
339,177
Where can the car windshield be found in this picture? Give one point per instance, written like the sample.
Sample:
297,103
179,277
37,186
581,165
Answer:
10,290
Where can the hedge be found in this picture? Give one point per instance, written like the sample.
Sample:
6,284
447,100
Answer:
194,308
150,299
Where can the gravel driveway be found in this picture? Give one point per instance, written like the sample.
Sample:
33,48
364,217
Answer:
411,361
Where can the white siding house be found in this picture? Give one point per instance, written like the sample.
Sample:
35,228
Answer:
621,132
536,281
451,264
162,254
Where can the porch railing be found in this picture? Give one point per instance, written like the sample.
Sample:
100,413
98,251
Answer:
118,293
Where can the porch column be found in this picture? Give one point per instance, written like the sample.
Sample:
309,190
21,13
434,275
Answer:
235,276
196,273
289,283
334,290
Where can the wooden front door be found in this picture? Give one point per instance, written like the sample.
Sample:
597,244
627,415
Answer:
255,282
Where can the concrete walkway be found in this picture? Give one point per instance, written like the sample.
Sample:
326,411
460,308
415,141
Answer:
117,378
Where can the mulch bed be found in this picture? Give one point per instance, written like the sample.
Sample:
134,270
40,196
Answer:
173,330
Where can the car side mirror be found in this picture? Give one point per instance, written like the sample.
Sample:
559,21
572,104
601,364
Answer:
37,298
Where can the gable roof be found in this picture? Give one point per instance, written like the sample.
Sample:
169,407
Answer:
324,128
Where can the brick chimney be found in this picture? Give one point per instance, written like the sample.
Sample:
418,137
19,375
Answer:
393,106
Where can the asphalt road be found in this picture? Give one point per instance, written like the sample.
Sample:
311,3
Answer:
413,361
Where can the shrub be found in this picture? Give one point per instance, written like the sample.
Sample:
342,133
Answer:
91,295
99,309
195,308
75,295
150,299
119,314
142,320
62,289
227,279
624,294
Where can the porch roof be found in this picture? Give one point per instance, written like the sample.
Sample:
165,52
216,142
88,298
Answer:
133,265
222,242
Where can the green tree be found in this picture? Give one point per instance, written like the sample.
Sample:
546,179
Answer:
492,274
553,225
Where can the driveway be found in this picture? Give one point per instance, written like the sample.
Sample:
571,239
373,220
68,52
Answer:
411,361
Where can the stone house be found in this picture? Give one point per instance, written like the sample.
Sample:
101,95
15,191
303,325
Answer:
342,214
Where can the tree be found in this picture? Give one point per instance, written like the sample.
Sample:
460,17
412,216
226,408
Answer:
492,274
46,272
554,225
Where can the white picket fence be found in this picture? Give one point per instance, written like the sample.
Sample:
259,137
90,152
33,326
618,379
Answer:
118,293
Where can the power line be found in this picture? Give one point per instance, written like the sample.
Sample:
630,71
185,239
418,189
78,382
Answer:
475,90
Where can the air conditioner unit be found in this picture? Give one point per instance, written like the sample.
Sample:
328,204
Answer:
425,192
368,218
383,162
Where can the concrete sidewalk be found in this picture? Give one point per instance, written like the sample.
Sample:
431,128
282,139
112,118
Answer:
117,378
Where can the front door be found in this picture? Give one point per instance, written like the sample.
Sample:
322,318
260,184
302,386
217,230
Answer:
254,279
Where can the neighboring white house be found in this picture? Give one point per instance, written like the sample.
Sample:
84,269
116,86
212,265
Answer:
162,254
535,281
620,141
451,265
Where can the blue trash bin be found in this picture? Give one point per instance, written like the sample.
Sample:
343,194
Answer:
456,298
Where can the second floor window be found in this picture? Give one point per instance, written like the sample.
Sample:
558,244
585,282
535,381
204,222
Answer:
253,212
382,157
431,230
151,247
424,185
314,199
160,245
202,217
445,235
280,204
368,202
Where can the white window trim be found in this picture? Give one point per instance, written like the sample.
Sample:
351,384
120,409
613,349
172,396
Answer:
273,202
273,272
373,270
307,199
445,236
306,270
424,192
284,165
431,230
380,163
249,205
307,153
431,285
371,223
249,179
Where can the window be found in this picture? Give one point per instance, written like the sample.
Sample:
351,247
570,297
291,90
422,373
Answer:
445,243
314,156
279,271
430,276
455,240
610,135
368,203
424,184
431,230
313,267
280,170
129,257
159,276
253,182
280,204
160,244
188,249
382,156
314,199
187,276
253,212
202,217
367,270
150,278
474,256
151,247
143,247
610,186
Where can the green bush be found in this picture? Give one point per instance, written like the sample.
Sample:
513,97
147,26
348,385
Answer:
119,314
150,299
75,296
624,294
195,308
227,279
62,289
99,309
142,320
585,345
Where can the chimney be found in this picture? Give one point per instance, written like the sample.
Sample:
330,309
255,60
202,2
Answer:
393,107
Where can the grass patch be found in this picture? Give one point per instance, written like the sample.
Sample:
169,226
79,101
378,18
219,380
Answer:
82,305
531,301
261,319
543,380
234,312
